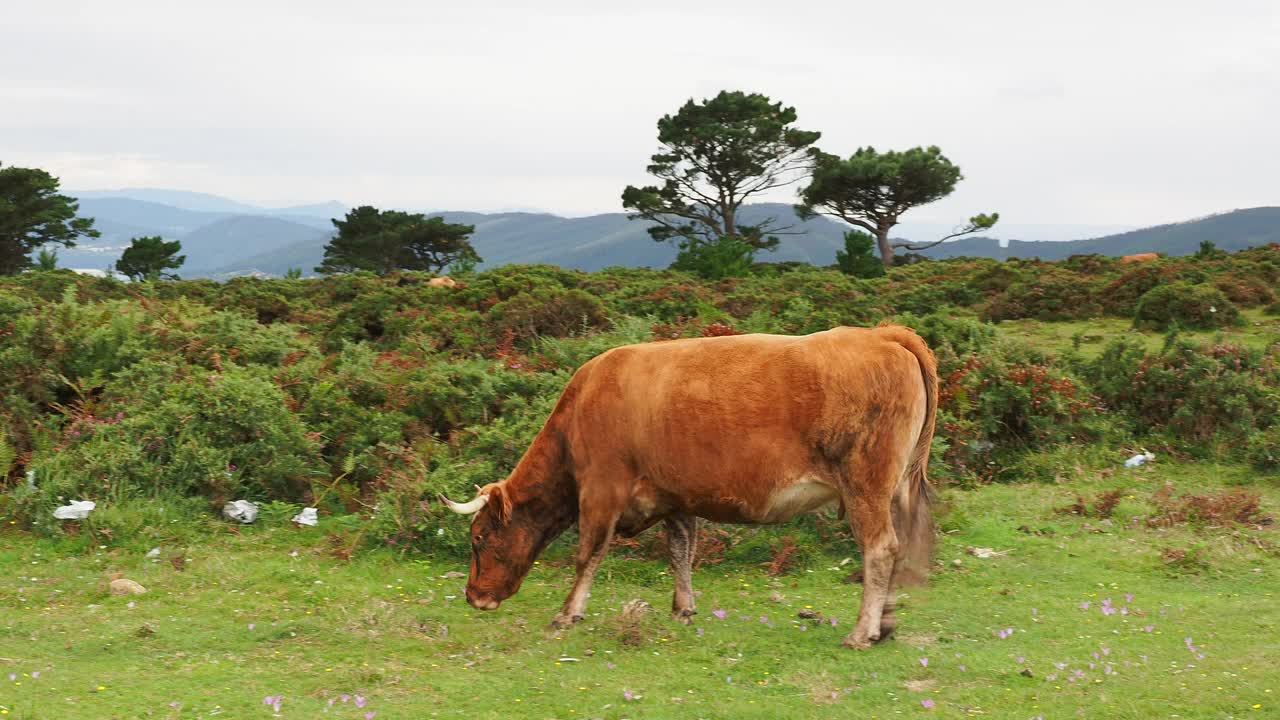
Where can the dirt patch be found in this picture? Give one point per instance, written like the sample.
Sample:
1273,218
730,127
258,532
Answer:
920,685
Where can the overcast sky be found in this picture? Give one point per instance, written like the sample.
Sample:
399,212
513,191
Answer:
1116,112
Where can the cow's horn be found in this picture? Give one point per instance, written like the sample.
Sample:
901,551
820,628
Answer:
466,508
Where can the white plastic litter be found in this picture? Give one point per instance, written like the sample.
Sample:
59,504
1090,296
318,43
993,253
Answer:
1139,459
153,553
77,510
306,517
985,553
241,511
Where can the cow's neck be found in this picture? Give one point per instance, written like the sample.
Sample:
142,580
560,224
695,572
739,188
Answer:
541,488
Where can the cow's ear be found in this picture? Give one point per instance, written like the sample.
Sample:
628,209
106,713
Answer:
499,500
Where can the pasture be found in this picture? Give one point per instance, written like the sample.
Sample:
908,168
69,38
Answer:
276,611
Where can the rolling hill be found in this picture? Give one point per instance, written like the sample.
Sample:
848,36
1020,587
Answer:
1232,231
224,238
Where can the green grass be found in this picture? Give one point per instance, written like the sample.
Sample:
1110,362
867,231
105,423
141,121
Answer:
1259,331
272,611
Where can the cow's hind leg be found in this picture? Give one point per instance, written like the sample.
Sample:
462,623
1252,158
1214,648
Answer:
869,498
682,540
596,523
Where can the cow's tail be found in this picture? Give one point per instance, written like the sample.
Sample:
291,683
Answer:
912,515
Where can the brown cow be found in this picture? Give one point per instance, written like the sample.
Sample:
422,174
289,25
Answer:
1139,257
442,281
738,429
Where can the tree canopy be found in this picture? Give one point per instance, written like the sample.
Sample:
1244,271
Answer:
147,258
383,241
32,213
716,155
872,190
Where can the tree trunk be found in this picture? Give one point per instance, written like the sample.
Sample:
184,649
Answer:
886,249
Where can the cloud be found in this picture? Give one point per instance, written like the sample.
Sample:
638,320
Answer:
1107,113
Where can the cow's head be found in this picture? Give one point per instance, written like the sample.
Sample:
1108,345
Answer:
506,537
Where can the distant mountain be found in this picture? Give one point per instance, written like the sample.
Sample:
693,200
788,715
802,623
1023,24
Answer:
227,242
232,240
1232,231
182,199
207,203
325,211
158,218
589,243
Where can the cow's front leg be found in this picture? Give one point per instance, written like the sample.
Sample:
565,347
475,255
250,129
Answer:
682,542
595,531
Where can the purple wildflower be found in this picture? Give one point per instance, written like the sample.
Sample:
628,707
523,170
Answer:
35,674
1084,605
927,703
273,701
628,695
700,631
369,715
719,613
1128,597
359,701
924,662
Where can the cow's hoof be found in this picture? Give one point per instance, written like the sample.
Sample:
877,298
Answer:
684,616
563,622
886,628
858,641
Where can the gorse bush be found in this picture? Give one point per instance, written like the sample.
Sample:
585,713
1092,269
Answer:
547,312
1050,295
1184,305
1199,396
370,394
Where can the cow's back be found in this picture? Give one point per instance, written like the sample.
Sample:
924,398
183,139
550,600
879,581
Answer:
727,421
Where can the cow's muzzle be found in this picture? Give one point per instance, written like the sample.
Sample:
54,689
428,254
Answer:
480,601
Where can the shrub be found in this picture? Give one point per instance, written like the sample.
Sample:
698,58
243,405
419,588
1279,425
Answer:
1050,295
1007,399
1120,296
548,312
1245,291
1090,264
858,258
1200,307
726,257
1263,451
1197,394
182,430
